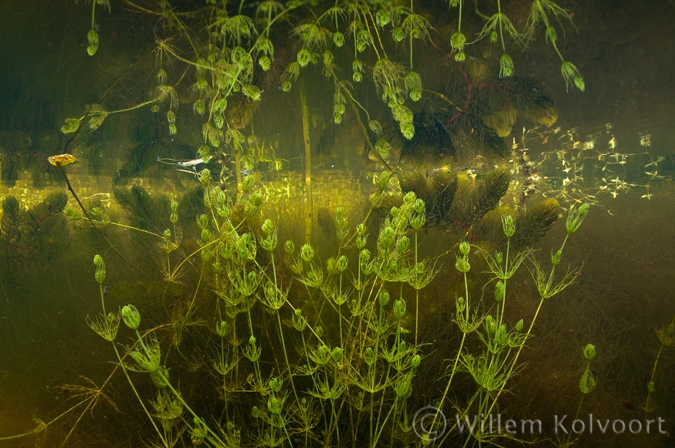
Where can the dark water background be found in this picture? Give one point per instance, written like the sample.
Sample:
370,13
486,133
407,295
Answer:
624,50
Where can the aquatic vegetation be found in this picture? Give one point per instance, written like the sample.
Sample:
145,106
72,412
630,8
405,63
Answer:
231,56
299,349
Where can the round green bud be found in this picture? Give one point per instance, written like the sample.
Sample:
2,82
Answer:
360,229
464,247
337,355
342,263
98,260
387,237
508,225
383,297
265,63
589,352
131,317
221,328
415,361
457,41
338,39
268,226
286,86
460,56
289,246
357,77
252,340
519,325
462,265
398,34
403,244
307,252
275,385
500,289
399,308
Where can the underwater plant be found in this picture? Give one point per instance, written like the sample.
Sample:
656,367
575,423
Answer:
298,349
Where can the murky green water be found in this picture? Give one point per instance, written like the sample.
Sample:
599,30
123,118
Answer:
145,300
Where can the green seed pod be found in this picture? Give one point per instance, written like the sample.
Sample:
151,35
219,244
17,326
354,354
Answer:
519,325
203,221
289,246
460,56
205,177
462,265
275,385
307,252
221,328
98,260
387,237
92,38
299,321
252,340
383,297
338,39
399,308
417,221
457,41
508,225
403,244
360,229
100,273
342,263
416,361
589,352
268,226
398,34
579,83
408,130
499,257
337,355
505,66
493,36
131,317
490,325
500,289
464,247
383,17
500,335
265,63
364,256
274,405
555,257
304,57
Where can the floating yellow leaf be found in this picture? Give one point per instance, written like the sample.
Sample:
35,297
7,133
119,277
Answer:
61,159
